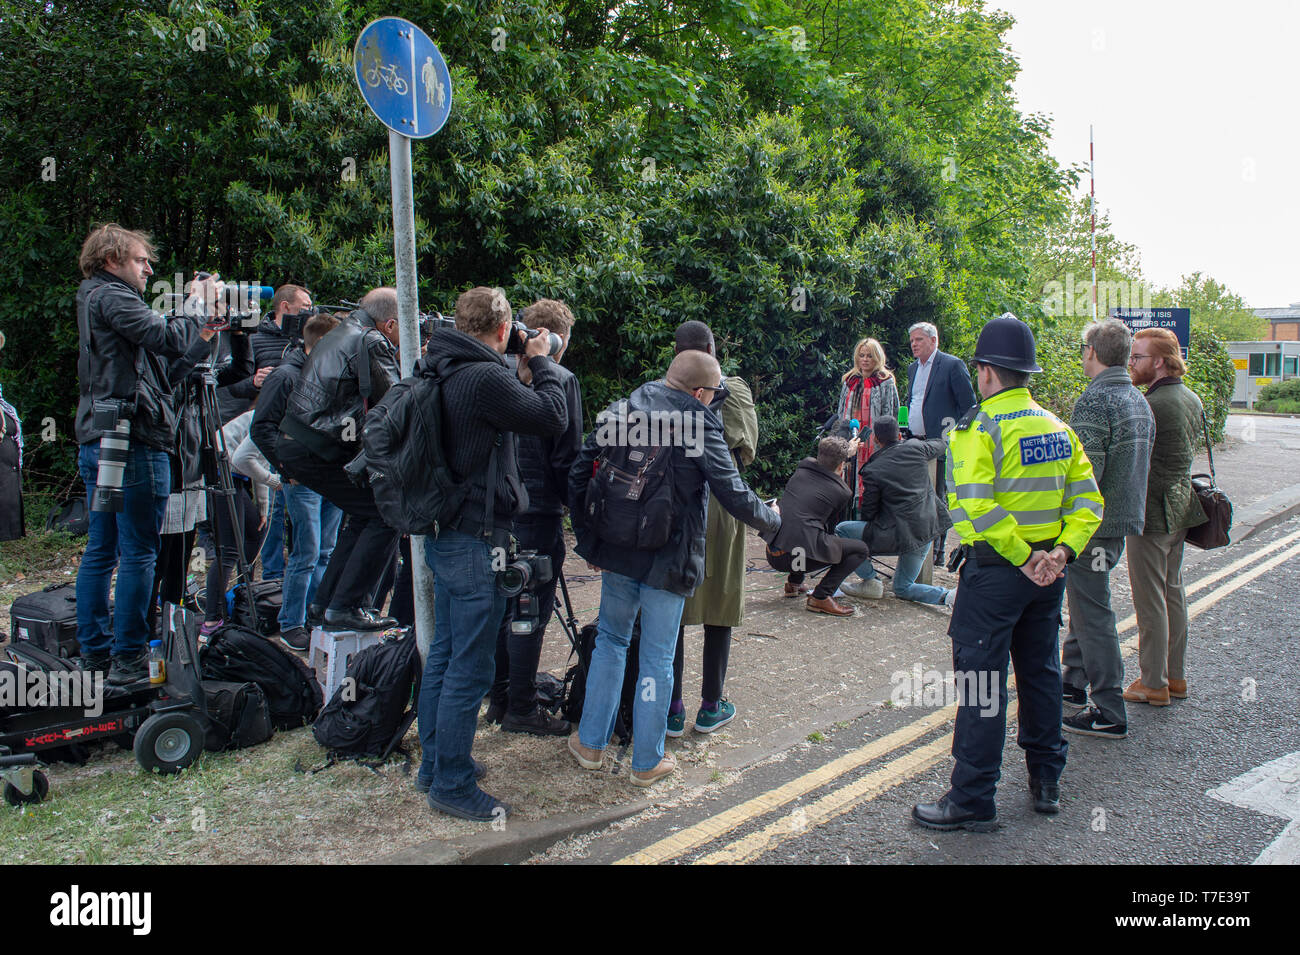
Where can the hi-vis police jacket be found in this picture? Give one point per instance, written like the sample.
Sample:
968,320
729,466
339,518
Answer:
1017,475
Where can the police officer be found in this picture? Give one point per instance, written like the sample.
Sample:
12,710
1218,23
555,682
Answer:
1024,502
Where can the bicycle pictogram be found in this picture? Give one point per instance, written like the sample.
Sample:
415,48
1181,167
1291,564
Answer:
389,75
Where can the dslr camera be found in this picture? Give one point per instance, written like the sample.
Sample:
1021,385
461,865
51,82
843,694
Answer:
519,582
515,343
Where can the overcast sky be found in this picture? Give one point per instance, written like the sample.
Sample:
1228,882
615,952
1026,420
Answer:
1196,107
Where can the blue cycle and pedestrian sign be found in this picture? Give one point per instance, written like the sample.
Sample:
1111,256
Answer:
403,78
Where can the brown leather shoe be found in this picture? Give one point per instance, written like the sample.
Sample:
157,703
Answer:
796,590
828,605
1138,693
1178,689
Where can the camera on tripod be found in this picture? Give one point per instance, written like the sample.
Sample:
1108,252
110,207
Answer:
113,417
519,582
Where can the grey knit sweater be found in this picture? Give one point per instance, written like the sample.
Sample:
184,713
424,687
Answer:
1115,424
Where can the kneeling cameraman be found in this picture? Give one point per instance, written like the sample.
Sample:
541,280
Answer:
484,404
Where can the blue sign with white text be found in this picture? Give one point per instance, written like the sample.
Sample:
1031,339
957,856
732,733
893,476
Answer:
403,78
1177,320
1044,448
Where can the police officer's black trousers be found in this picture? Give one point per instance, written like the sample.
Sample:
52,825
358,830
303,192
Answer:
1001,614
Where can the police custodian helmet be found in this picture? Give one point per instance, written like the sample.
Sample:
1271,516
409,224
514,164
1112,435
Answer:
1007,342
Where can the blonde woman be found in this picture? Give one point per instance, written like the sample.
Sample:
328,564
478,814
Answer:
868,393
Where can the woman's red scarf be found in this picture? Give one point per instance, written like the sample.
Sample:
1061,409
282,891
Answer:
857,404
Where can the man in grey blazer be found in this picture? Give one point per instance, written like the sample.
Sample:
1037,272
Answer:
938,394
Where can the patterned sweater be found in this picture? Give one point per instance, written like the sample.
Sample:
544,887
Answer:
1115,424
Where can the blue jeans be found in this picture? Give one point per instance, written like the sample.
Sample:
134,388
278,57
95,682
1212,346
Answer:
459,667
128,537
307,562
661,614
273,546
905,574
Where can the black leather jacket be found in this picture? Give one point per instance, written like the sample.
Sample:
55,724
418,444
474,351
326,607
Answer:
678,566
327,409
123,350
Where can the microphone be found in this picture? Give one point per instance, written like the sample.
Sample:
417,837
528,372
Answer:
855,424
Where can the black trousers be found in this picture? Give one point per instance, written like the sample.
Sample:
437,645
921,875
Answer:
365,545
398,578
717,650
518,653
855,552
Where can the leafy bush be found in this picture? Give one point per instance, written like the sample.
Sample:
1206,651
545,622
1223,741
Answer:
1210,373
1288,390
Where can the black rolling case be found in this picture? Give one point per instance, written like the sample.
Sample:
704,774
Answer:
48,618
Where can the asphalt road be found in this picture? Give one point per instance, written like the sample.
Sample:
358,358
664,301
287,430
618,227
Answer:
845,796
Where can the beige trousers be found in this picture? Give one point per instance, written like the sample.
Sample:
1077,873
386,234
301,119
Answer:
1155,573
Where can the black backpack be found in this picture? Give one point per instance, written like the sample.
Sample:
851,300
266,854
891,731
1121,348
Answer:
374,707
70,515
238,655
629,502
575,681
237,716
268,598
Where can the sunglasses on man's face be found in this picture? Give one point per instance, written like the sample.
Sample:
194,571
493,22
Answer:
719,395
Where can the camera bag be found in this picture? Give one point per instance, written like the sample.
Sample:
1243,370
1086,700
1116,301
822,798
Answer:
238,655
268,598
237,715
375,705
48,618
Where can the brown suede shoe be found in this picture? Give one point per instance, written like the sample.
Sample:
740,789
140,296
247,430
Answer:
1137,693
666,767
828,605
1178,689
793,590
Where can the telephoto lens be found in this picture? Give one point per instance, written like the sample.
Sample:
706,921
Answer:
114,446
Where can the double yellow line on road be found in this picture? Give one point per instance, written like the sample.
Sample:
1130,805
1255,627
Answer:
898,770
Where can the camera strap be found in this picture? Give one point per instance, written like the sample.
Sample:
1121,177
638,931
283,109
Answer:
490,490
363,370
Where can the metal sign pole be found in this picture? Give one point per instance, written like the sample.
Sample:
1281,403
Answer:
405,82
408,320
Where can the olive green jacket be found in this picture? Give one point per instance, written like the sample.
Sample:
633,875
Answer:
1171,505
720,598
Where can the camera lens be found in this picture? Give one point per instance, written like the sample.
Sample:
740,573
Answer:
513,579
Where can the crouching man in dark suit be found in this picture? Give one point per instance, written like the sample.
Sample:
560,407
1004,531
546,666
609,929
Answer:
901,515
813,497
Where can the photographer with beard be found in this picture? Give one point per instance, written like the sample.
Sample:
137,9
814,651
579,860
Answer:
484,405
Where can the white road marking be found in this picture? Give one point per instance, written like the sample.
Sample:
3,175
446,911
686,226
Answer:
1272,789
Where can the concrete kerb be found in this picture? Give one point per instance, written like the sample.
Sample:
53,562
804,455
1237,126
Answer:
1273,510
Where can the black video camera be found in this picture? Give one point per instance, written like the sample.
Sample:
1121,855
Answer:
519,581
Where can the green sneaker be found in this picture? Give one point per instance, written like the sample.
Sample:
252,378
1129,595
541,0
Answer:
706,721
676,724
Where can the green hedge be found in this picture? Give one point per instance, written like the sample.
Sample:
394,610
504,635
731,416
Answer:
1282,397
